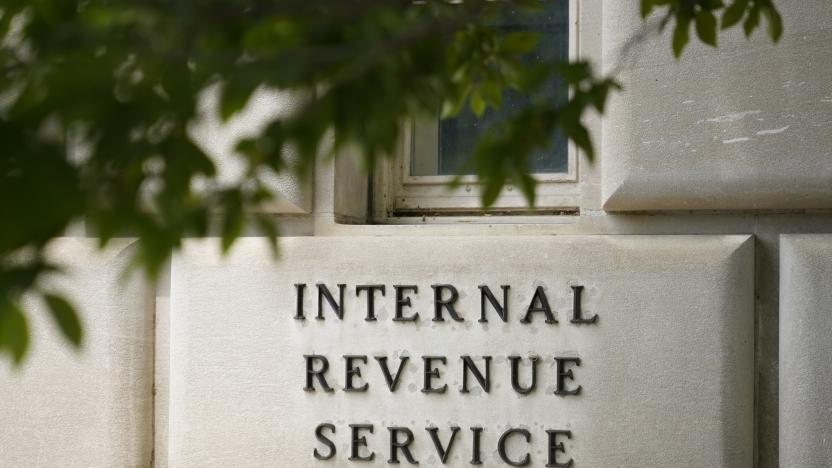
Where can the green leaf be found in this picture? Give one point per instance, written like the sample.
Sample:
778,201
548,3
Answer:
14,334
246,146
734,13
489,156
706,27
576,132
492,93
646,8
478,105
752,21
491,190
775,22
521,42
681,35
575,72
530,77
461,73
65,316
599,94
233,221
527,186
515,74
453,104
266,225
233,99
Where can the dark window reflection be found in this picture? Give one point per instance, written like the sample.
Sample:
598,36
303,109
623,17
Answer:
458,136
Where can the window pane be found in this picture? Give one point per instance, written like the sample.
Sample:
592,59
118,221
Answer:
455,138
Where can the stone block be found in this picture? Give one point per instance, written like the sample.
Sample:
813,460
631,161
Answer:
92,407
745,126
805,350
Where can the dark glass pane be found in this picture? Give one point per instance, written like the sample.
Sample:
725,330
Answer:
458,136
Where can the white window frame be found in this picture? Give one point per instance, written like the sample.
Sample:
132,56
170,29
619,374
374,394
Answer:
398,194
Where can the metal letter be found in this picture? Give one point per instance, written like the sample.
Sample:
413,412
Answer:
539,298
300,287
515,374
358,441
560,389
502,310
337,307
354,372
501,447
475,446
576,307
439,303
402,302
324,440
395,445
392,382
468,365
443,452
371,295
555,447
319,374
431,373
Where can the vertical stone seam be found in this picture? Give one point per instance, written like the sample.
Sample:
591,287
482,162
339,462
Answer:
159,289
755,426
154,290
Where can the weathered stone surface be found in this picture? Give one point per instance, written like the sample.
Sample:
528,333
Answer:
805,350
217,138
744,126
87,408
666,372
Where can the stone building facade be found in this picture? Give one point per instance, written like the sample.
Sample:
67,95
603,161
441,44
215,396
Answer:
700,241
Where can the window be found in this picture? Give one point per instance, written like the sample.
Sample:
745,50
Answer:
432,152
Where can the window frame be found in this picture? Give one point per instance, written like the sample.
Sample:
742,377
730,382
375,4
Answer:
397,193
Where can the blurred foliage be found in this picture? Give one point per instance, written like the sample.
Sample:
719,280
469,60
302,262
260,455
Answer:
96,99
702,14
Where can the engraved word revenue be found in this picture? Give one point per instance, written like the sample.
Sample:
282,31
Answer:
445,296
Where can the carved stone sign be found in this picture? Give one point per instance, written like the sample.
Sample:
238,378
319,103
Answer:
460,351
